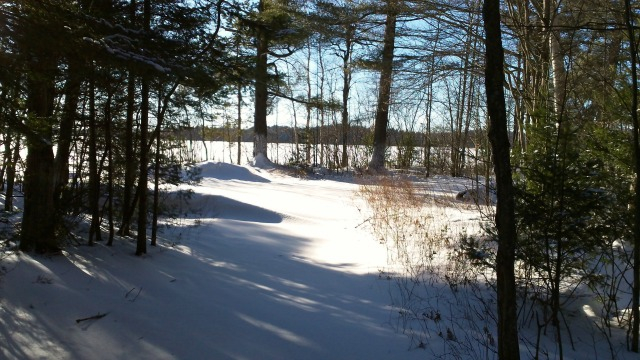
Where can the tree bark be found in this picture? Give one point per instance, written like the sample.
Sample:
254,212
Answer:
384,94
508,347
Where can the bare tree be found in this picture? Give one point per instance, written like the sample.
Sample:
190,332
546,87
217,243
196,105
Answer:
505,210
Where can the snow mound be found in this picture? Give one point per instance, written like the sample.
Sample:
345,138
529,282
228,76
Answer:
224,171
262,162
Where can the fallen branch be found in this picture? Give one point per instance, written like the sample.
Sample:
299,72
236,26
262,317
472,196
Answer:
94,317
134,298
364,222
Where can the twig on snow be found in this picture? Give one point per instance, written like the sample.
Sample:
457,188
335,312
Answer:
94,317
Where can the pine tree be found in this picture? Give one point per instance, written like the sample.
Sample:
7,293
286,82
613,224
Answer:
278,31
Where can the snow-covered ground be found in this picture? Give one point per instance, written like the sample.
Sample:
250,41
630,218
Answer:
257,264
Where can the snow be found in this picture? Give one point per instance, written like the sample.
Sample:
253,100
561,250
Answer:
263,266
262,162
257,264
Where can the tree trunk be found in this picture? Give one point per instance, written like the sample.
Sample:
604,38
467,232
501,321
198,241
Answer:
67,121
429,103
110,167
557,63
457,124
384,95
308,107
94,181
156,192
296,138
11,175
128,204
519,139
346,87
261,92
130,168
635,297
239,129
38,222
141,243
505,213
204,140
321,130
163,105
6,161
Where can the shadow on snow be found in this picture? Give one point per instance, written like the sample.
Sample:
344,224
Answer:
205,206
202,298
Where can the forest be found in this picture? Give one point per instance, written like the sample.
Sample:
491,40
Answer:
533,101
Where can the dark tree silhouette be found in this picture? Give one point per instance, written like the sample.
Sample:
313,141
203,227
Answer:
505,212
384,94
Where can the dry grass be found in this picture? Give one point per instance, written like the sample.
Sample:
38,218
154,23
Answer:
418,224
436,289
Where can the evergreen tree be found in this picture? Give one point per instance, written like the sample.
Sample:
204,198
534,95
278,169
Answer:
278,31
